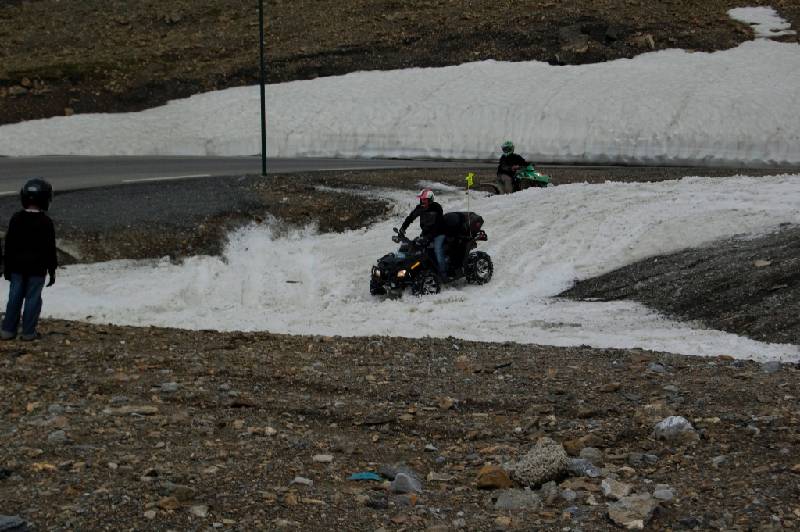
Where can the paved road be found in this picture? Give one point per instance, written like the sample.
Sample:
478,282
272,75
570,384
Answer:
74,172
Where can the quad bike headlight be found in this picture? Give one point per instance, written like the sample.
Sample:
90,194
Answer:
376,272
401,274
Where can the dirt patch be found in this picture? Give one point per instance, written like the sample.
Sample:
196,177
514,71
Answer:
111,55
747,286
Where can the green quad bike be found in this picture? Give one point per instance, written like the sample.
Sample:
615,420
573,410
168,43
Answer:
524,178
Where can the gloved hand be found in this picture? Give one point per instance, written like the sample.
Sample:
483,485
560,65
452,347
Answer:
52,278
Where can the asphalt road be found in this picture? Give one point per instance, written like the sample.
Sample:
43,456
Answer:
75,172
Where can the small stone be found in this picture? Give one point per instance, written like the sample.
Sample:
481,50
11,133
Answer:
404,483
199,510
169,387
632,512
446,403
150,514
503,521
493,477
141,410
517,499
549,492
303,481
592,454
675,429
581,467
651,459
614,489
439,477
169,503
57,437
663,492
610,387
181,492
322,458
12,523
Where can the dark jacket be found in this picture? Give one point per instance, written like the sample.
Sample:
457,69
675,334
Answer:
430,219
30,245
507,161
462,224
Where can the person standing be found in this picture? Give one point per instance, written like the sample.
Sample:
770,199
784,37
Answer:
30,254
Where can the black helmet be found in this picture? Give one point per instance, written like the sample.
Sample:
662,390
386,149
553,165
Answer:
37,193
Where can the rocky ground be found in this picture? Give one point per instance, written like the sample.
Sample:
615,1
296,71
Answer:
61,57
108,427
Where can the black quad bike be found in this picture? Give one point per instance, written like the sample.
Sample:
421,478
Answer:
414,264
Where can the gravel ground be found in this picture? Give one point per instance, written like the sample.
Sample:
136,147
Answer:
166,429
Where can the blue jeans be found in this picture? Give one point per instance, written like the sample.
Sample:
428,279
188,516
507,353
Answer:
25,288
438,250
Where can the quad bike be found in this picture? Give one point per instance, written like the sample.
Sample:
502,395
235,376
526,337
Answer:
524,178
414,264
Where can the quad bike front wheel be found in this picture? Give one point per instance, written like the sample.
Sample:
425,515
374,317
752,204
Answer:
479,268
426,284
376,288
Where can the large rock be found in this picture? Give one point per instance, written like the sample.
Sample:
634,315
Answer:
676,430
632,512
493,477
614,489
404,483
547,460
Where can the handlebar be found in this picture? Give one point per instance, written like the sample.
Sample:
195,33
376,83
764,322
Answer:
400,237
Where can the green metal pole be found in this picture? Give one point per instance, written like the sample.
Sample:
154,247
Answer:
263,80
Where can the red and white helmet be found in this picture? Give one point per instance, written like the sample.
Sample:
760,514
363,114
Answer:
425,196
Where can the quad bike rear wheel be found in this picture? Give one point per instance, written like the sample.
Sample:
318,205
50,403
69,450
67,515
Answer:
426,284
479,268
491,188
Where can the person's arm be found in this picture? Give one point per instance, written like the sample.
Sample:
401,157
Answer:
10,247
409,219
52,254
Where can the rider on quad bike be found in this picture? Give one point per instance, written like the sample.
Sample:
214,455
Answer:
413,265
510,163
431,223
